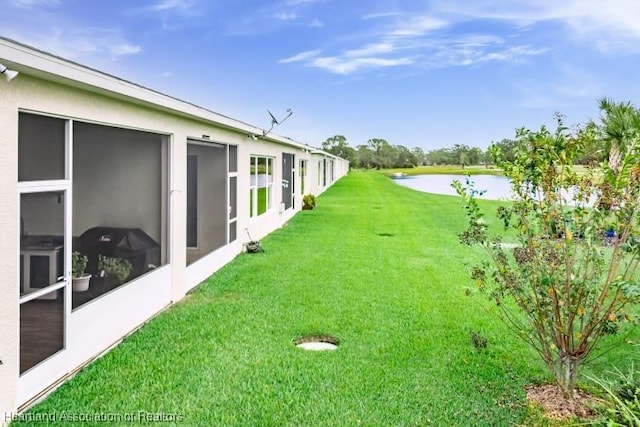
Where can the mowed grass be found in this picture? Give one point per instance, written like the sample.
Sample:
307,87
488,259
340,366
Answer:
376,265
459,170
447,169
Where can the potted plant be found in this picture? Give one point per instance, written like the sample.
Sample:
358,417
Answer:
114,266
80,279
308,202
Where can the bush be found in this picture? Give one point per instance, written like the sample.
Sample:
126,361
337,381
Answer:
565,288
309,201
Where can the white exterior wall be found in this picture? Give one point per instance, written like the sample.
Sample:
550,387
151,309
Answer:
39,92
315,175
9,223
341,168
259,226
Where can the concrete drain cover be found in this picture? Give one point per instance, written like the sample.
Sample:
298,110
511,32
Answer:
317,343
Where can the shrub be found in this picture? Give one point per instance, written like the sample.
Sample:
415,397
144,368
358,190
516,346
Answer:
309,201
564,288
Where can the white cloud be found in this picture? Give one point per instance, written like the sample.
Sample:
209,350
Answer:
124,48
346,63
429,54
503,31
342,65
609,25
173,15
380,15
81,44
34,3
59,32
294,10
276,16
417,26
477,40
371,49
301,2
453,56
286,16
167,5
95,42
422,41
303,56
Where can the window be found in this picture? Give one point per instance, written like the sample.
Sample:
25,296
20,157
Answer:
41,148
261,185
332,169
303,175
324,173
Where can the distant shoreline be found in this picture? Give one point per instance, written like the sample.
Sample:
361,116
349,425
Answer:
444,170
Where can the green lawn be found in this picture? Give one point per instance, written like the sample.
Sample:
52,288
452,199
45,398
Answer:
375,264
458,170
449,170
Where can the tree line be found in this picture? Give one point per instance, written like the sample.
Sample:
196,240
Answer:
378,153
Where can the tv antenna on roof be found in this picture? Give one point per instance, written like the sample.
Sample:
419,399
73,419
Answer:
275,121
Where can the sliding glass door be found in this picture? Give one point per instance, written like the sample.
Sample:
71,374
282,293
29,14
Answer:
44,191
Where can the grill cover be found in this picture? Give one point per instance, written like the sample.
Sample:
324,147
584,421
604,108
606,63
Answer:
131,244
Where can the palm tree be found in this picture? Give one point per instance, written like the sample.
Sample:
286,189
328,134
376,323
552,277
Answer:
619,132
620,125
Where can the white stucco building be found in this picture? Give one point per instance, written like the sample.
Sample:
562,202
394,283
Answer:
124,175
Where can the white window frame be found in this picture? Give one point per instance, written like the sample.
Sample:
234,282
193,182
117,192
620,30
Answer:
45,186
232,174
270,172
303,166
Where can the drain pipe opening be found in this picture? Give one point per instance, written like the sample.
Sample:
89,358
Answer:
317,343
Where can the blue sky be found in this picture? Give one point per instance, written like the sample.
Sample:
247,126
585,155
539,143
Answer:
416,73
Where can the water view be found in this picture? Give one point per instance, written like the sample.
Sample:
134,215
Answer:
497,187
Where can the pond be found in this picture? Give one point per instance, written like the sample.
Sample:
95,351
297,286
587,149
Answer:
497,187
